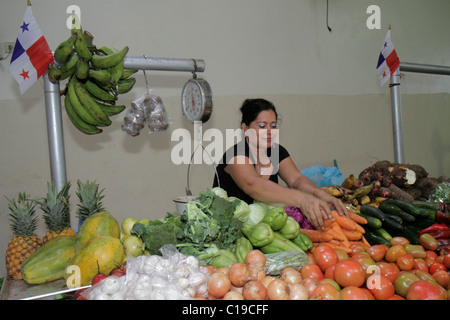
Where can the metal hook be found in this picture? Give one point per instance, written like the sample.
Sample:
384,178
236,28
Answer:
145,75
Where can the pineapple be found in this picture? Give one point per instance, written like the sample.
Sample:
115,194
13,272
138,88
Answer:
56,212
90,199
23,224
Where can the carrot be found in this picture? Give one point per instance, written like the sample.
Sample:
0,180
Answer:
352,235
328,222
336,246
316,236
343,221
337,228
357,218
366,243
336,235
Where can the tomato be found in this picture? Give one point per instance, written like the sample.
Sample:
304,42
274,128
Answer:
377,252
416,251
420,264
403,281
423,290
425,276
394,252
325,291
353,293
442,278
437,266
369,294
399,241
365,261
447,260
325,257
431,255
349,273
329,273
381,287
388,270
357,248
342,255
396,297
440,259
405,262
428,241
311,271
332,282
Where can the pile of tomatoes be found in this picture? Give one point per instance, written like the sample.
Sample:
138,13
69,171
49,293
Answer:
400,272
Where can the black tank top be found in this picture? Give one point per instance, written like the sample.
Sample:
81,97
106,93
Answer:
276,154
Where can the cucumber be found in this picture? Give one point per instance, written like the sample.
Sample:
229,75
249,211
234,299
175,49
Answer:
374,238
426,205
372,222
392,224
427,213
406,206
384,233
394,217
423,223
390,208
410,234
373,212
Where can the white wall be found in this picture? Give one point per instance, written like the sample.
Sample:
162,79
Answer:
323,83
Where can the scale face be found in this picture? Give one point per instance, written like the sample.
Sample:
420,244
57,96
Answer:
196,100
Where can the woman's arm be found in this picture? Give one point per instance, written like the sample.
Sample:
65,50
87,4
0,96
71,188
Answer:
262,189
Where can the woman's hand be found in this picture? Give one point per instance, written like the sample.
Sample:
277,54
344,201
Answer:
316,210
333,202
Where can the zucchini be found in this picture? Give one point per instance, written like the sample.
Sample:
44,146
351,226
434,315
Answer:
394,217
406,206
373,212
372,222
426,205
392,224
390,208
374,238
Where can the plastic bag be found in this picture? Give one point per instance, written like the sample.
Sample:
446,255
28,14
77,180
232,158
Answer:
275,262
172,276
147,109
324,177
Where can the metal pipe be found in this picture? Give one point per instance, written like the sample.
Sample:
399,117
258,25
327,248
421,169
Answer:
397,118
55,132
164,64
424,68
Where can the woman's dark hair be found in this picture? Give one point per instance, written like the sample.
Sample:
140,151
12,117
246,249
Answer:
252,107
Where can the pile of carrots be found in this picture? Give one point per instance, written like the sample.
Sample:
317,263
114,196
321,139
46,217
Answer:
340,232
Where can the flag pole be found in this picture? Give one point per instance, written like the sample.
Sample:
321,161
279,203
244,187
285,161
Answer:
397,117
29,3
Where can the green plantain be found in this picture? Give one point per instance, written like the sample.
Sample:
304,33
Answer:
64,71
78,107
81,47
109,60
90,104
82,69
98,92
102,76
125,85
128,73
112,110
77,121
64,51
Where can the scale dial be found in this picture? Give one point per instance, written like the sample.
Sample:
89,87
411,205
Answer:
196,100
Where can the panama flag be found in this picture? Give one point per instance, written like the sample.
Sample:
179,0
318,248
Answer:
31,55
388,61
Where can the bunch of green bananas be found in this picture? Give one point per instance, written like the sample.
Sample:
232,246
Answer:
96,76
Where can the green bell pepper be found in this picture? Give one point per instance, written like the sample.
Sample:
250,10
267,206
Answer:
243,246
291,229
276,218
225,258
259,234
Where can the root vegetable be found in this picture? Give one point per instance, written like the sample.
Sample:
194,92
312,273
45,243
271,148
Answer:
239,274
218,285
267,279
254,290
233,295
255,258
291,276
310,284
277,290
297,292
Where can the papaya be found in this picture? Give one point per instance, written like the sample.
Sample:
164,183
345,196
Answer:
100,254
49,262
98,224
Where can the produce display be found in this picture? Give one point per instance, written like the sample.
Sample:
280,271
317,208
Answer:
96,77
221,248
